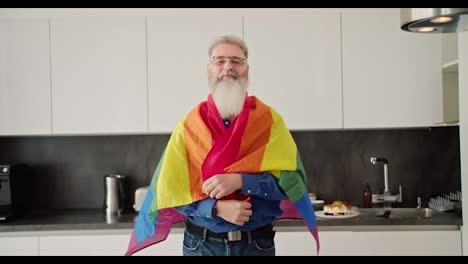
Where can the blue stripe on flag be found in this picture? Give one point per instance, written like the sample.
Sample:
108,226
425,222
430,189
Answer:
144,225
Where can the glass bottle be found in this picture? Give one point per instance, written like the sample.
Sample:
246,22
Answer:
367,197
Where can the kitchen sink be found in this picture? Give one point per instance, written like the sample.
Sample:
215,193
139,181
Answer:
404,213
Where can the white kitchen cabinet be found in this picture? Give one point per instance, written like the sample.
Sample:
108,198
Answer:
105,245
449,48
450,105
370,243
19,245
83,245
24,76
391,78
177,60
303,244
450,93
288,243
172,246
99,77
295,66
406,243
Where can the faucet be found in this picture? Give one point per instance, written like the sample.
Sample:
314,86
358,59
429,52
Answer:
386,198
419,202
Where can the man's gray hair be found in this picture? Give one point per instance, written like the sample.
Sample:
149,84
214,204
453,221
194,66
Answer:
230,39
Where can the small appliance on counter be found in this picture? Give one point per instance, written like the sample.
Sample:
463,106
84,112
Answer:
15,191
140,195
114,188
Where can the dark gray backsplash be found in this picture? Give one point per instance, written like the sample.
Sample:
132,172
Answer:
69,170
425,162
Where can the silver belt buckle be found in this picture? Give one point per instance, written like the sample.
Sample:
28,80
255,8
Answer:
234,235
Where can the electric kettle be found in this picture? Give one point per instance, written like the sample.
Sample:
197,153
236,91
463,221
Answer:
114,188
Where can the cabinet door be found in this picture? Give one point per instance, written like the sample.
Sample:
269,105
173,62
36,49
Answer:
449,48
105,245
332,243
99,74
406,243
83,245
19,246
172,246
370,243
450,80
295,66
177,59
391,78
24,76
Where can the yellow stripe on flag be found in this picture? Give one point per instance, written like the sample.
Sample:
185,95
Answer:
174,172
281,151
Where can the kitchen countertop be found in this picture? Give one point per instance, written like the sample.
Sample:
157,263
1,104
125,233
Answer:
93,220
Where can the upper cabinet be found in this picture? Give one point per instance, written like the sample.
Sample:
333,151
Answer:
295,66
449,48
391,78
177,63
24,76
99,75
450,78
122,73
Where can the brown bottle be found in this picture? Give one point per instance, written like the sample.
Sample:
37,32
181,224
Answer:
367,197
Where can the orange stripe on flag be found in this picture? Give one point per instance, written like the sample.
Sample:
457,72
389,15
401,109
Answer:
197,144
254,140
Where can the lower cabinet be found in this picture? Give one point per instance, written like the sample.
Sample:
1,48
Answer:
105,245
19,245
369,243
83,245
294,243
172,246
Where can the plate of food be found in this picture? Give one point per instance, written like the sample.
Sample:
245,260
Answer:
338,209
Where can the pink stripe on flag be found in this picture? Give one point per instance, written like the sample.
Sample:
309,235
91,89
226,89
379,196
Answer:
166,218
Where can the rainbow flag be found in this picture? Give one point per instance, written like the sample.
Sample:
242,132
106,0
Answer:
201,146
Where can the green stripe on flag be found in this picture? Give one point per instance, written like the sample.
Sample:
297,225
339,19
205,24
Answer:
153,211
294,182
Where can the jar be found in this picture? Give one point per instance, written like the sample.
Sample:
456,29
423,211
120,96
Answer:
312,196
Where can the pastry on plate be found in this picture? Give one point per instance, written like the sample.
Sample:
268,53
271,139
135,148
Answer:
337,208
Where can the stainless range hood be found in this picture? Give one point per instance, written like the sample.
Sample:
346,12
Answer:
434,20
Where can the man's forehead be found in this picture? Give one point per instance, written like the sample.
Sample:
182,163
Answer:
227,50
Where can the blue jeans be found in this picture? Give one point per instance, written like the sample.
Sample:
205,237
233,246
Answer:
195,245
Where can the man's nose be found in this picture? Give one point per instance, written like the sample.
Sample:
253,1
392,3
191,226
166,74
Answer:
227,65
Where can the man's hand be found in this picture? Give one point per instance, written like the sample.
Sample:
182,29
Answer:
222,184
234,211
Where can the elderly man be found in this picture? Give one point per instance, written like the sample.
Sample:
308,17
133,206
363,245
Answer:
230,169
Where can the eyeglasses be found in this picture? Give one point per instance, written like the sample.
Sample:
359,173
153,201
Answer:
221,60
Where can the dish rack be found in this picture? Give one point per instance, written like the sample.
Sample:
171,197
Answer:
446,202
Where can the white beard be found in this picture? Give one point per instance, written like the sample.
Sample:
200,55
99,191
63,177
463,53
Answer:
229,96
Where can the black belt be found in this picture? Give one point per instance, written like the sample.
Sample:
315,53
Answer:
261,232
